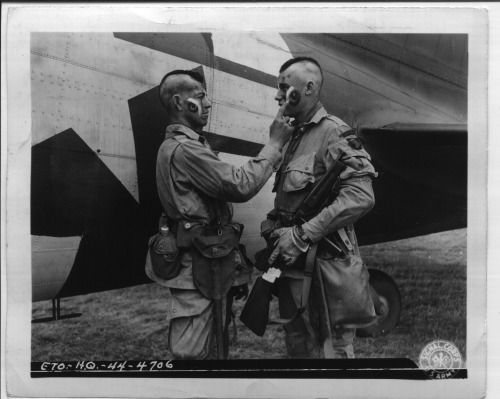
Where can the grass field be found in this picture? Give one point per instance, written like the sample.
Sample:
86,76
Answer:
130,324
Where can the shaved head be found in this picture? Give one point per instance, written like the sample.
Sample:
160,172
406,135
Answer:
184,97
305,76
307,69
177,82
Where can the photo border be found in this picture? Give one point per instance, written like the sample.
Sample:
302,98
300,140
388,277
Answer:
19,22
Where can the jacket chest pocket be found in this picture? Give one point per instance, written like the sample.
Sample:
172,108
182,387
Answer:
299,173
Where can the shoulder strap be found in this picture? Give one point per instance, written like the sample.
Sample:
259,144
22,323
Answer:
181,138
338,121
174,144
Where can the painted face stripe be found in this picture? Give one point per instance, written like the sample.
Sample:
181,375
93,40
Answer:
182,44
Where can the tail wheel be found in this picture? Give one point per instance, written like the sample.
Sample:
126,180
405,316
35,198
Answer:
390,296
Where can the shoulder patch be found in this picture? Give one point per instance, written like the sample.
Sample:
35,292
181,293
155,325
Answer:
348,133
352,139
355,143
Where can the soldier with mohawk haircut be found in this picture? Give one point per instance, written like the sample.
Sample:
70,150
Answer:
195,188
317,141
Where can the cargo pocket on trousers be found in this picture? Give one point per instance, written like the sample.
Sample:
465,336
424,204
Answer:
191,324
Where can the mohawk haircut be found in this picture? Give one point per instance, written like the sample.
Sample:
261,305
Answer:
292,61
297,60
195,75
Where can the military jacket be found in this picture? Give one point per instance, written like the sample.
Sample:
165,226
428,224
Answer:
188,173
319,143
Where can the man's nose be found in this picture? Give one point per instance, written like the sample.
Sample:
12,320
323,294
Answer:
279,97
206,103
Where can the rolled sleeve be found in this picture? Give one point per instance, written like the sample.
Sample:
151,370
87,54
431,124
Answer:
355,199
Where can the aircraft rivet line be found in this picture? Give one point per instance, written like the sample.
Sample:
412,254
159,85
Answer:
143,82
55,249
117,155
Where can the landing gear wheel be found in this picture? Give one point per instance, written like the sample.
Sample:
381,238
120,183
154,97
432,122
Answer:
390,297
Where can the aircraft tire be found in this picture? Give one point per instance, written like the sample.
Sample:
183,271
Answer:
390,296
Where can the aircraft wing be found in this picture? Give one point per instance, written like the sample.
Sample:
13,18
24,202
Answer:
422,182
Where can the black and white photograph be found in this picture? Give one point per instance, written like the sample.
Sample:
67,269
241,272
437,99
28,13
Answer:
245,201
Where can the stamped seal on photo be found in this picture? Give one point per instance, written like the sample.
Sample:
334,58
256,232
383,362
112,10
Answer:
440,359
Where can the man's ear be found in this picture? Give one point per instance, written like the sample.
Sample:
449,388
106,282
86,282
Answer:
310,87
176,102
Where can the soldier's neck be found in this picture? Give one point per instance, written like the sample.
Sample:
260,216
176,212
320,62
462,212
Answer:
183,122
309,114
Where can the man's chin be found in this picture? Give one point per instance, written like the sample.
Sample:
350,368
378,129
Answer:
288,112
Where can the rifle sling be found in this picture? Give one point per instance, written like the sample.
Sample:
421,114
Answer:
306,286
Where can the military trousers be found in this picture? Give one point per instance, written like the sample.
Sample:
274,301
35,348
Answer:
303,335
192,328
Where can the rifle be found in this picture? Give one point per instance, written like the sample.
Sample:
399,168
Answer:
255,313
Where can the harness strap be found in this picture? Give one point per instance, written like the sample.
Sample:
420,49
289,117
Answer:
345,239
306,286
229,317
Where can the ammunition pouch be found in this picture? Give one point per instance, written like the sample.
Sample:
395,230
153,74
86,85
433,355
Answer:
213,255
186,231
